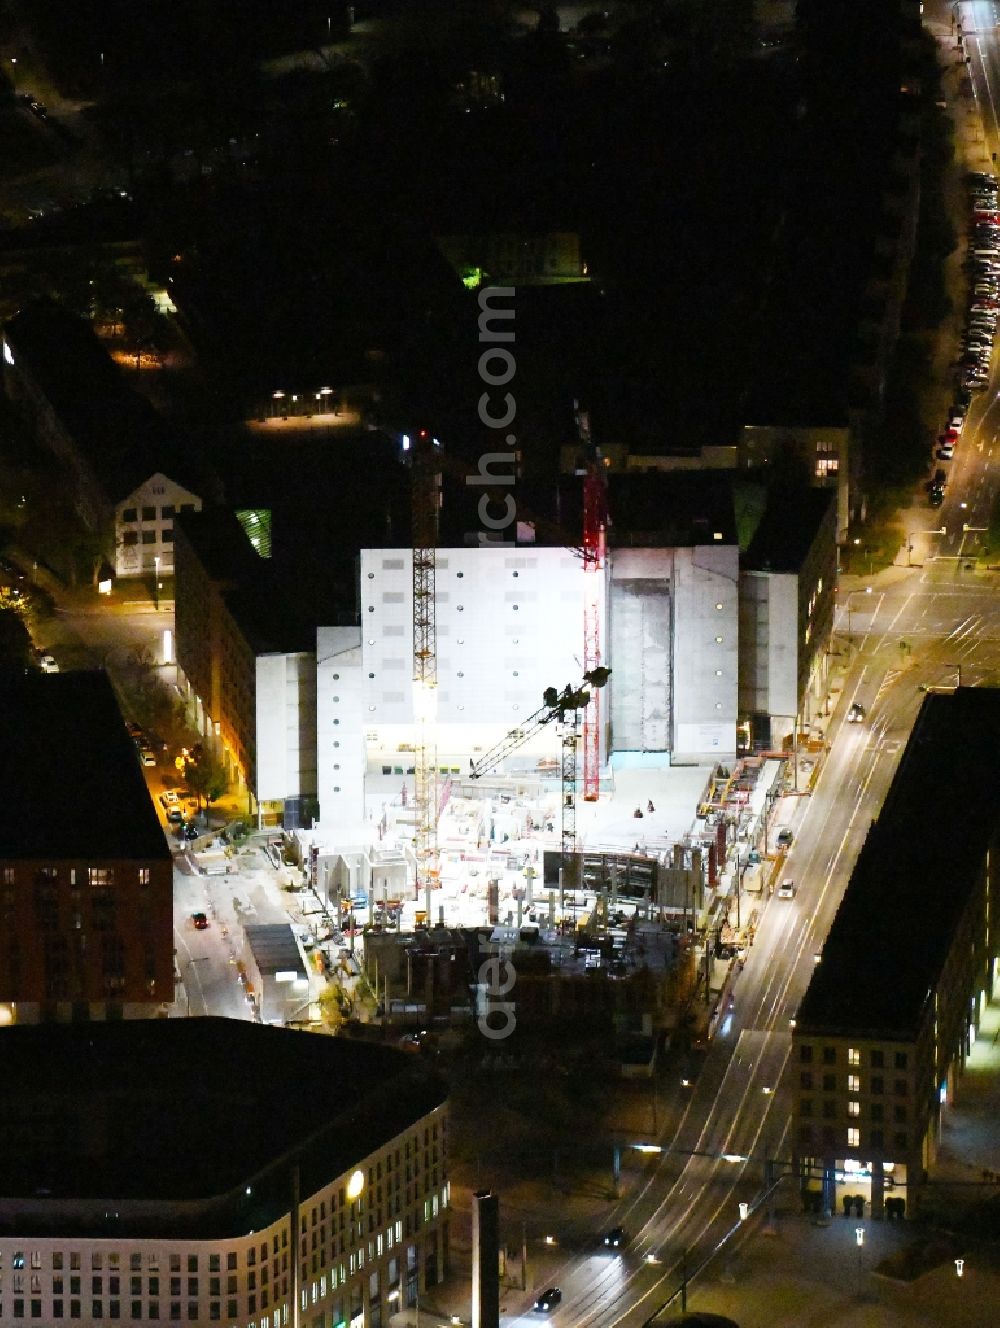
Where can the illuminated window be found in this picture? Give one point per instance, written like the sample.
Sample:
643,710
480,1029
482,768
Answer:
853,1083
100,876
853,1137
853,1056
826,466
854,1107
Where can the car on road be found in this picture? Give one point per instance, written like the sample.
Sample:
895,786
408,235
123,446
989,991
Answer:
200,921
615,1238
47,664
945,451
936,497
786,890
856,714
548,1300
147,757
785,837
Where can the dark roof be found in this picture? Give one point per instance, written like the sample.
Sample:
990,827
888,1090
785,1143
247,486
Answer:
671,509
260,593
196,1110
274,948
220,544
70,783
913,878
788,528
118,432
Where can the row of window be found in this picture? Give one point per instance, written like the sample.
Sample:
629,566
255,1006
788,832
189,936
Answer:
831,1138
166,513
876,1057
876,1111
96,876
131,537
876,1084
112,1309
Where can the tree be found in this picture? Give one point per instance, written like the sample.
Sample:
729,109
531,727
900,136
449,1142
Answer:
206,777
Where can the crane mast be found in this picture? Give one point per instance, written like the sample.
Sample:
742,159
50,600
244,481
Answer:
424,514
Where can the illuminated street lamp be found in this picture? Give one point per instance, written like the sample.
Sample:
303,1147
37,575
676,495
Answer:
156,581
850,595
744,1211
859,1236
959,1267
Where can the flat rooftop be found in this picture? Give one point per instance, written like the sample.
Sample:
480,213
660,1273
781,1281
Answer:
915,874
186,1114
788,529
70,782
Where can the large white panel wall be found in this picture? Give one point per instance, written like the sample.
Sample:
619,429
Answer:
340,733
509,624
706,653
286,725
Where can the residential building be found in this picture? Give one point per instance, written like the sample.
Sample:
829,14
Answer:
164,1177
892,1009
86,881
144,526
823,454
788,582
247,659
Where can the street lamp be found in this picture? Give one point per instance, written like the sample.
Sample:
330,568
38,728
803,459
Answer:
156,581
744,1211
859,1236
959,1267
850,595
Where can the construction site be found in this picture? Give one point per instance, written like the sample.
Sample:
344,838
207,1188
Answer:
468,787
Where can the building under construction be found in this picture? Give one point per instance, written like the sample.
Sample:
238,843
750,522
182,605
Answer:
510,623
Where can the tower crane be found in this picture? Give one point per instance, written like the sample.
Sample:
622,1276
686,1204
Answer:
564,707
424,519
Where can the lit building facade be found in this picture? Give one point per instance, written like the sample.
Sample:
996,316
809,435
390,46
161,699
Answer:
316,1224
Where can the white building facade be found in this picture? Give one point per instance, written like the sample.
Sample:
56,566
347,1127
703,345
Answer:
144,526
509,625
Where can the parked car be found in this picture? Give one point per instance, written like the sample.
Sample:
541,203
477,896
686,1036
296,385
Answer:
47,664
945,452
936,497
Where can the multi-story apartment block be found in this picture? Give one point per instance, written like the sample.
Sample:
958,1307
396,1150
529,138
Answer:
248,662
883,1031
86,883
161,1183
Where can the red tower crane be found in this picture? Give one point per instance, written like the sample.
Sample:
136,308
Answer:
595,521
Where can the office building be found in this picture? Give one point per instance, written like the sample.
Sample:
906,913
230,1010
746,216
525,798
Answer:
210,1171
86,882
892,1009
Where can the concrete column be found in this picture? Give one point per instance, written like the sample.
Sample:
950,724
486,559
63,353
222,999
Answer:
485,1260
